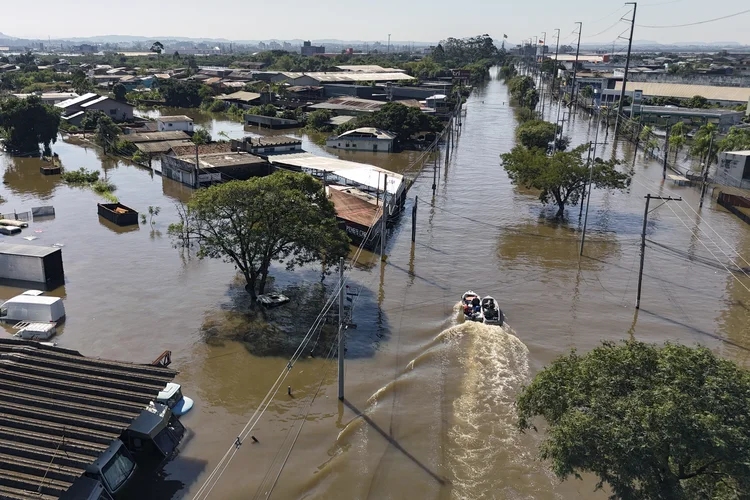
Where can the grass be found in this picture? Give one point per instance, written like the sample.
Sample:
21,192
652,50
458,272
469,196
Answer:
105,189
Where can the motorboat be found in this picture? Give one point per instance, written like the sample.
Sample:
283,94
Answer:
272,299
491,312
172,396
472,306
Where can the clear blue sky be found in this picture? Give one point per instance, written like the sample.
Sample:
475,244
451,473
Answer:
416,20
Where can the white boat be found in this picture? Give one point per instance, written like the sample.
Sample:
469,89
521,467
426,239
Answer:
491,311
472,306
172,396
272,299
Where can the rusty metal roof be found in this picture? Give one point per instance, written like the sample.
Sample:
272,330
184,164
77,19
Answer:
59,410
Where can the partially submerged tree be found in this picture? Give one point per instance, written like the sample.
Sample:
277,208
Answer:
662,423
27,123
106,132
521,88
285,217
561,178
536,134
738,139
201,136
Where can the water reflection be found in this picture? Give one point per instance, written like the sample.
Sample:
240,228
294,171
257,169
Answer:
22,176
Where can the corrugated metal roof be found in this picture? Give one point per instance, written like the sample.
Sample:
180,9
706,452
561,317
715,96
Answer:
204,149
353,208
162,146
28,250
240,96
685,91
174,135
354,76
77,100
59,410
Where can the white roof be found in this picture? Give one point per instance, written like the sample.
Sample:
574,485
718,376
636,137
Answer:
378,133
438,96
77,100
686,91
353,76
738,153
33,299
177,118
359,173
368,68
95,101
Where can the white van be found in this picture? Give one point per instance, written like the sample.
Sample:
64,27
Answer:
32,306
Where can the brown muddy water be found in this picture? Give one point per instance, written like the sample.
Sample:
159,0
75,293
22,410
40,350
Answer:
429,400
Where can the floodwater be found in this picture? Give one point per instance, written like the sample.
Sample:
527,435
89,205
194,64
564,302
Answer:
429,399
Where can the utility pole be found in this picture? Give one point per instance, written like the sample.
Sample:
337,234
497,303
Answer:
341,328
414,220
666,151
575,66
554,73
643,241
384,218
705,173
541,73
588,195
627,65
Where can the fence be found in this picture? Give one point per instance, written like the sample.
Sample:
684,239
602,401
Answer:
731,202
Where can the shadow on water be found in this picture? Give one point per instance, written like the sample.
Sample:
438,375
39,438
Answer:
279,331
168,481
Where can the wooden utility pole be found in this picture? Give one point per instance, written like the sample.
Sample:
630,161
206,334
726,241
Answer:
414,220
341,328
627,65
643,242
705,173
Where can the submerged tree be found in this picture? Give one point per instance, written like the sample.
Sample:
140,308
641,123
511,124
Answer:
106,132
285,217
561,178
27,123
536,134
662,423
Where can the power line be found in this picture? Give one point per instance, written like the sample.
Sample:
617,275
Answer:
695,23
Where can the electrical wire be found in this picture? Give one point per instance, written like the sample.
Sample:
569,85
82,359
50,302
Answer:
695,23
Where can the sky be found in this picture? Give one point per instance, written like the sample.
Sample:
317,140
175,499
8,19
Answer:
417,20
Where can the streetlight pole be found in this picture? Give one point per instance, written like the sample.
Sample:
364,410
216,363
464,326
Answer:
627,66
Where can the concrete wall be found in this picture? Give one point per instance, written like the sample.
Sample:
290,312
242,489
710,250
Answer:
118,111
178,170
731,168
171,126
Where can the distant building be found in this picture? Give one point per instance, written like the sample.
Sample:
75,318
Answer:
733,169
169,123
363,139
50,97
308,49
268,145
242,99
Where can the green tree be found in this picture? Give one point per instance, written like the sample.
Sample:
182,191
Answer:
587,92
181,93
319,119
678,137
705,143
81,83
738,139
106,132
561,178
119,91
27,123
536,134
91,119
520,89
201,136
404,121
661,423
285,217
696,102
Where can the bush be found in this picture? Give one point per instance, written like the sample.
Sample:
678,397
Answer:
80,176
217,106
103,186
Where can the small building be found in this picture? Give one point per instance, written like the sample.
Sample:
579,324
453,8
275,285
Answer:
666,115
273,122
72,108
50,98
438,102
733,169
213,168
363,139
305,92
23,265
352,106
175,135
359,213
170,123
204,149
268,145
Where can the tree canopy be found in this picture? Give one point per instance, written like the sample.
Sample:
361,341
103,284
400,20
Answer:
181,93
738,139
562,177
652,422
404,121
201,136
106,132
536,134
523,90
284,217
27,123
119,91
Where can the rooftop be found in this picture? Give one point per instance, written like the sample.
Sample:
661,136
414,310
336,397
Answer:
27,250
697,112
271,140
353,208
685,91
368,68
176,118
240,96
372,132
163,146
350,103
203,149
172,135
96,101
57,405
218,160
738,153
77,100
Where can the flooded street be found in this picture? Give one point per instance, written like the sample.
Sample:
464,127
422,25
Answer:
429,399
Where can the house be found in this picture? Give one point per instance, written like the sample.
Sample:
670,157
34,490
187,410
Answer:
50,97
268,145
74,109
305,92
176,135
213,168
363,139
733,169
242,99
169,123
203,149
438,102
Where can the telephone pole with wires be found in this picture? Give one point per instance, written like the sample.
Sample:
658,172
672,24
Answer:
643,240
575,65
554,72
627,66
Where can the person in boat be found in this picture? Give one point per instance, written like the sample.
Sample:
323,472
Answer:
476,304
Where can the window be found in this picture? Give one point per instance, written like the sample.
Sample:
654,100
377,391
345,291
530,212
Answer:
374,147
169,125
339,144
113,112
117,470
